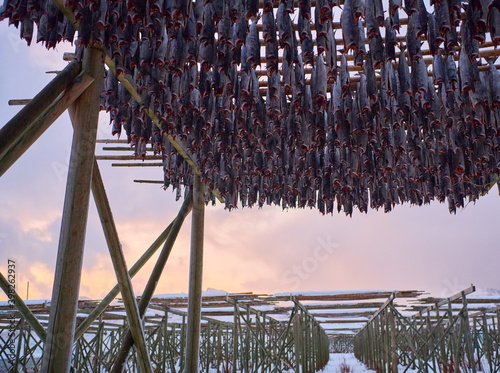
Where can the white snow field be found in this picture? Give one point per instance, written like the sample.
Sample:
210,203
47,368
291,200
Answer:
337,360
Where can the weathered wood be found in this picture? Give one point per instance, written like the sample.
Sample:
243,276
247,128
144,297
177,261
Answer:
195,277
112,141
122,276
22,308
44,121
394,345
123,149
12,131
138,164
114,292
149,181
128,157
19,102
60,333
128,341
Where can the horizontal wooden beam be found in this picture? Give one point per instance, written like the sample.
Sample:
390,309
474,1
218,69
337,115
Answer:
138,164
127,158
19,102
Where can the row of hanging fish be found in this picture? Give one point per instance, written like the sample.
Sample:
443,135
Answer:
283,105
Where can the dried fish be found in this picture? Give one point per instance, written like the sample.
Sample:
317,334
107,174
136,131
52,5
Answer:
284,27
349,27
253,46
390,41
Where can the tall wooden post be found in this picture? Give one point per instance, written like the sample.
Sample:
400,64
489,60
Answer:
195,278
60,334
394,346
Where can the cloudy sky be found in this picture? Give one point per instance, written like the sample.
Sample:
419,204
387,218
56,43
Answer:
260,250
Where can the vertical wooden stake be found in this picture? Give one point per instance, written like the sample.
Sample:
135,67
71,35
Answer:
236,320
195,277
63,309
394,346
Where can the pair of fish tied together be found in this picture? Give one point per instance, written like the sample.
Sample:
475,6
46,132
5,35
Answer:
328,104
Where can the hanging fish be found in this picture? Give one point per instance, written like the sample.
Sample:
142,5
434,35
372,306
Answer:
494,24
419,81
319,83
466,70
378,9
394,6
390,41
362,103
207,33
239,31
371,82
252,8
476,18
451,40
307,52
349,27
438,69
433,39
442,12
284,26
412,40
268,27
411,7
344,75
404,82
325,11
469,45
372,26
494,83
253,45
423,18
305,9
451,71
377,51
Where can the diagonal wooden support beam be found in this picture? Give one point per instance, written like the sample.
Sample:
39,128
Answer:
60,333
17,126
195,277
149,290
96,312
44,121
23,308
118,259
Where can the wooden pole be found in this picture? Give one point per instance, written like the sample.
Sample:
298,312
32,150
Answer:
195,277
11,132
22,308
96,312
394,346
60,333
118,259
128,341
44,121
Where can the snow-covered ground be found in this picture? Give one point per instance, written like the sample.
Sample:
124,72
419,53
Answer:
336,361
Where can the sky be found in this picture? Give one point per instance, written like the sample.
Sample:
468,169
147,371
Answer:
260,250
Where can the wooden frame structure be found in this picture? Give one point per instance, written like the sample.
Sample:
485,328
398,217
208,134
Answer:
445,336
270,333
334,130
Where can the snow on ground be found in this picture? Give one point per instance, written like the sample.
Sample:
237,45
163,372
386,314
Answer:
336,361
